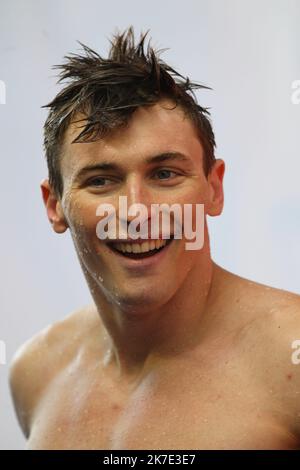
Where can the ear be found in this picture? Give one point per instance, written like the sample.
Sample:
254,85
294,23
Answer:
53,207
216,194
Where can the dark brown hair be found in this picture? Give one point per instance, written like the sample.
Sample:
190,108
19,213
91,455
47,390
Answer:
107,92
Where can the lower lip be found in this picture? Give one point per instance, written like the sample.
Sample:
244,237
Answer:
143,262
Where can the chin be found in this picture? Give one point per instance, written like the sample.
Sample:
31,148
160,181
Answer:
140,300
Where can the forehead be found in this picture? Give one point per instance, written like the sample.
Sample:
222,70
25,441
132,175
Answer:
151,130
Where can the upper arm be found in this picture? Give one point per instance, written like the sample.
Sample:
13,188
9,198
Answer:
296,364
24,375
38,361
289,328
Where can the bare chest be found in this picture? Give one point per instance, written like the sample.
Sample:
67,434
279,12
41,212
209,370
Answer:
181,408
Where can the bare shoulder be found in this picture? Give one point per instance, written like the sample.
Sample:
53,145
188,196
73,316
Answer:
274,339
260,301
275,307
264,316
269,329
37,361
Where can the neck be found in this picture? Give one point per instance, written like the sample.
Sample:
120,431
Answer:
138,341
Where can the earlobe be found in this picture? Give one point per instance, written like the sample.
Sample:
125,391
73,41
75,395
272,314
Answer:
53,207
59,223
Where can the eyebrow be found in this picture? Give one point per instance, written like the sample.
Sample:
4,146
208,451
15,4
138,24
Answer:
105,166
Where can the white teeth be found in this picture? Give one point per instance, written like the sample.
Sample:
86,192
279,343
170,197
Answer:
136,248
144,247
139,247
152,245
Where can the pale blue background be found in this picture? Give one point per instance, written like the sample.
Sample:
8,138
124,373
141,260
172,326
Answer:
248,51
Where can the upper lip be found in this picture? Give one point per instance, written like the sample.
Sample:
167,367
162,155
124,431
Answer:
138,240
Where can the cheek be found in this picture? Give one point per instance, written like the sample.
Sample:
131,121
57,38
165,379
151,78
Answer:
193,191
193,204
83,220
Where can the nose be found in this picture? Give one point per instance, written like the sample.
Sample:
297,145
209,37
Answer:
137,192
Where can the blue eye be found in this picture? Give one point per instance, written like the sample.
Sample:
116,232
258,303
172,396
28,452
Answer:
95,181
165,171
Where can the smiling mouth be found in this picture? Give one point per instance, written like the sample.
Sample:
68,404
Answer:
144,250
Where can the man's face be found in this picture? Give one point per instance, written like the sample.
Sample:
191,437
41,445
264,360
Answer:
152,131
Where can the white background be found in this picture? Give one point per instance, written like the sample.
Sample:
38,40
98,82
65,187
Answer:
247,51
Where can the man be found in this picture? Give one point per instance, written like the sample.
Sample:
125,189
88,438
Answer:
175,352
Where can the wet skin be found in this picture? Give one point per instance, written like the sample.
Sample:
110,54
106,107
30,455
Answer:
178,354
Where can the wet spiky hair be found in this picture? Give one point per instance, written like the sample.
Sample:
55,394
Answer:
107,92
